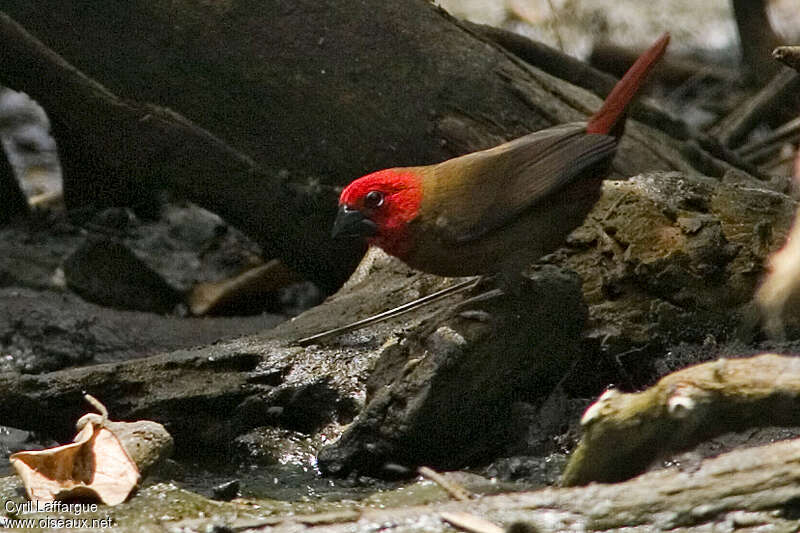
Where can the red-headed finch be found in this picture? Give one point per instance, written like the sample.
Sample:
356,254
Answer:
497,210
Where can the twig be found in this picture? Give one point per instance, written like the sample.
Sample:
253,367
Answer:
617,59
470,522
739,122
555,23
760,157
779,165
391,313
781,134
724,154
452,488
600,83
546,58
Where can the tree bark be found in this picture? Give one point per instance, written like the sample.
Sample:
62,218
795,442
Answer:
335,86
116,151
623,434
757,39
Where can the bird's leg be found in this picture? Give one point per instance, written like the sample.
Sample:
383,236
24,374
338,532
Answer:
488,285
466,309
505,283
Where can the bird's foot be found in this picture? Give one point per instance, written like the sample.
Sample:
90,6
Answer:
476,315
466,309
509,285
486,283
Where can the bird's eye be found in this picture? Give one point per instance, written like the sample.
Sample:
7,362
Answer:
373,199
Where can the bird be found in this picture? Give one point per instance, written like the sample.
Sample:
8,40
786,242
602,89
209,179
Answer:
494,211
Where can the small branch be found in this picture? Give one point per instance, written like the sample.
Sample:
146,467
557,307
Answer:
565,67
617,59
452,488
471,523
547,58
739,122
787,132
708,154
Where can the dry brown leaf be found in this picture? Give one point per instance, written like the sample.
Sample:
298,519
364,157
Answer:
210,296
94,465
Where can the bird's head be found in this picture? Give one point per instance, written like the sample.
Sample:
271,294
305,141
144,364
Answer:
379,206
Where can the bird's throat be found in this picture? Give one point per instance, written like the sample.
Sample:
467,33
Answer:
395,242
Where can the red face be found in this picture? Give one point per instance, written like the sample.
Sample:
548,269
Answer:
380,206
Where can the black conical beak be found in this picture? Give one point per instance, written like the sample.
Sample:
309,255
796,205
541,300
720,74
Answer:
352,223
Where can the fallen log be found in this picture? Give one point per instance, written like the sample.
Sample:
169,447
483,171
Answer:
120,152
228,107
625,433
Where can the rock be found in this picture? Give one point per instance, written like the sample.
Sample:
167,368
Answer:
106,272
186,258
267,445
260,381
31,252
146,442
14,202
43,331
439,395
13,440
226,491
29,168
130,263
667,257
534,470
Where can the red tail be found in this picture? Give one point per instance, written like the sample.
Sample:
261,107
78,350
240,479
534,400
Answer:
623,92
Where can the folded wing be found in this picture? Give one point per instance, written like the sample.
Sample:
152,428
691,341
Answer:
532,167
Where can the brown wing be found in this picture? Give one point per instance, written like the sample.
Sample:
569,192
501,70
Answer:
483,191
